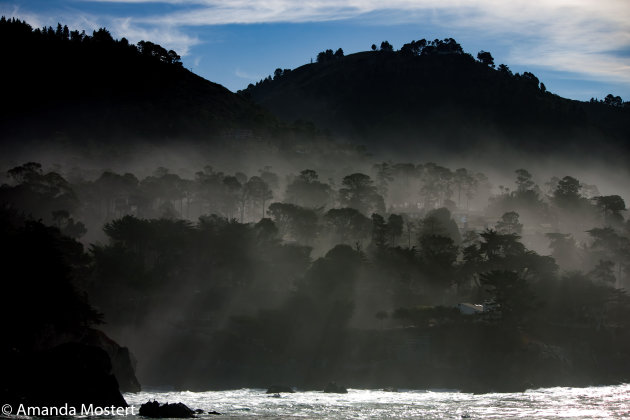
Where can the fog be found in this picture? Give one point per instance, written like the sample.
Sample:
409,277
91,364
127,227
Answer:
357,254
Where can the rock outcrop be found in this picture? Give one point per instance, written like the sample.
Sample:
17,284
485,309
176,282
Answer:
71,373
278,389
335,388
154,409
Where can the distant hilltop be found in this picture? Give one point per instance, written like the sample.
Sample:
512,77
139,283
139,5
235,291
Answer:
69,86
432,94
92,91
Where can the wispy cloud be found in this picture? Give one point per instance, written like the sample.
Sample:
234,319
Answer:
572,36
566,35
169,36
580,36
247,76
166,35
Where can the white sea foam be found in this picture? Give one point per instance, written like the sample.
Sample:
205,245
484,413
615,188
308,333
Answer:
606,402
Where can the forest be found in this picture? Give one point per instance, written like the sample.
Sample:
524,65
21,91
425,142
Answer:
102,95
236,279
415,218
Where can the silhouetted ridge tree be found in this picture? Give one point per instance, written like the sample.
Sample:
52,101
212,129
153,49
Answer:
386,46
486,58
150,49
22,31
328,55
130,91
437,46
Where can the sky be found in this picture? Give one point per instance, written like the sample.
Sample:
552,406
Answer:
578,48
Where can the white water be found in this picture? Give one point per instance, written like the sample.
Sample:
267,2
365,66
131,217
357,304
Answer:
607,402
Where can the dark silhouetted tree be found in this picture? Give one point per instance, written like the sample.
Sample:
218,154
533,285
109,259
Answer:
348,224
359,193
379,231
611,206
295,222
307,191
509,224
438,222
258,193
512,297
504,69
395,225
613,100
567,193
386,46
486,58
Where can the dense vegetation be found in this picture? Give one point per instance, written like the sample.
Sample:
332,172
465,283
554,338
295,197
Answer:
94,93
235,280
310,261
431,95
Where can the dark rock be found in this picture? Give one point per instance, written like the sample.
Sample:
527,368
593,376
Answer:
199,411
156,410
86,374
214,413
334,388
123,363
277,389
71,373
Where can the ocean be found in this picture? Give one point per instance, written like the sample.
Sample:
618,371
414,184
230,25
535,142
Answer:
602,402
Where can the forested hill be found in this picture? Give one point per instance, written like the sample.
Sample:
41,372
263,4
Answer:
433,93
70,86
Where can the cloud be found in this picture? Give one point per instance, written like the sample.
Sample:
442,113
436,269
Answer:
73,18
572,36
169,36
579,36
245,75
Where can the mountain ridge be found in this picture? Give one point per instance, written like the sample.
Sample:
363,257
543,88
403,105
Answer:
436,93
73,87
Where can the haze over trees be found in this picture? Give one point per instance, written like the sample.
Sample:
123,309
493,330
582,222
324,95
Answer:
257,261
297,259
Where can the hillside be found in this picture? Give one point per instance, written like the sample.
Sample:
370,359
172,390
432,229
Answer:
432,94
72,87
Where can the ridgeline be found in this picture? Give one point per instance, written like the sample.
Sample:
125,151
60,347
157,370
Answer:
434,95
70,87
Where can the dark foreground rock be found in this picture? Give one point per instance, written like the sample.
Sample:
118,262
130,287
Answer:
123,363
71,373
278,389
154,409
334,388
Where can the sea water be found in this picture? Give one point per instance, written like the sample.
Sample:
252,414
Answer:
605,402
